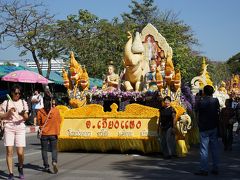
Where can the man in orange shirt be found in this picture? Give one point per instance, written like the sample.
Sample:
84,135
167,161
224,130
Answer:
49,121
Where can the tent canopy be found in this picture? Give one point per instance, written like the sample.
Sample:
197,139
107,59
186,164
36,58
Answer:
55,76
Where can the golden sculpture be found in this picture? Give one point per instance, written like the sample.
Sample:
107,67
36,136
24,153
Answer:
234,86
150,78
76,82
205,74
222,87
111,82
159,81
133,58
204,79
67,83
177,80
84,80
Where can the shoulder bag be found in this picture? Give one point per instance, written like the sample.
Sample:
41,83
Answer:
39,133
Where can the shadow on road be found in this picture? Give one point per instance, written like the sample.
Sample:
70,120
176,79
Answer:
33,167
155,167
3,175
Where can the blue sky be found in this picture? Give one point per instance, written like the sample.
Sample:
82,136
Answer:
215,23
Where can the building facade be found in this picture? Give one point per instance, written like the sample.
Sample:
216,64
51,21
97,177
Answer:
57,65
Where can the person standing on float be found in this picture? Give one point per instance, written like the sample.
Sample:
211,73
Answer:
166,128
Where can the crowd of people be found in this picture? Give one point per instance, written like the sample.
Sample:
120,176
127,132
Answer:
212,122
14,112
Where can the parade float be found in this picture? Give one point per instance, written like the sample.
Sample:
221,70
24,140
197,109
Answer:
149,76
233,86
204,79
198,82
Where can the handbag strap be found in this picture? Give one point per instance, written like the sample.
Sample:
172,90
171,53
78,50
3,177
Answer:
45,123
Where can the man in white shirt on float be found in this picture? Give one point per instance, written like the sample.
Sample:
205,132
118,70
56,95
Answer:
37,103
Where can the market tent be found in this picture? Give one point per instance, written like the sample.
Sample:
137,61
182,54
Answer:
7,69
55,76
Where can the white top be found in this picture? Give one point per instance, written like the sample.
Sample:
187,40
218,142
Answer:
18,105
39,104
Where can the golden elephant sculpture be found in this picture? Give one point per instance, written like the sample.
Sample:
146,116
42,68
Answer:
184,124
133,59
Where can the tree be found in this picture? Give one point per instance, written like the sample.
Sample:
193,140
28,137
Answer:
141,14
94,41
219,71
27,26
234,64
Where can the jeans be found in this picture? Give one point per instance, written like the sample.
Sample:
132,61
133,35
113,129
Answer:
209,138
168,142
46,142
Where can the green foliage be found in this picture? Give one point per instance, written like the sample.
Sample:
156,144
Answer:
95,42
8,64
234,64
140,15
218,71
31,29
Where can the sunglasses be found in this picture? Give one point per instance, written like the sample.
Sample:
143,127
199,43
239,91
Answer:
16,93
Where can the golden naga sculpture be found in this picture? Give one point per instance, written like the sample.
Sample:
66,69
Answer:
75,72
66,81
159,81
169,73
84,80
177,80
133,58
76,82
204,79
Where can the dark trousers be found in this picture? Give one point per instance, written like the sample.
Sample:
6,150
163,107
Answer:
46,143
168,142
227,136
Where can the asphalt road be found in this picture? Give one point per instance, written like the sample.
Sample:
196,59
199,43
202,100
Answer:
110,166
